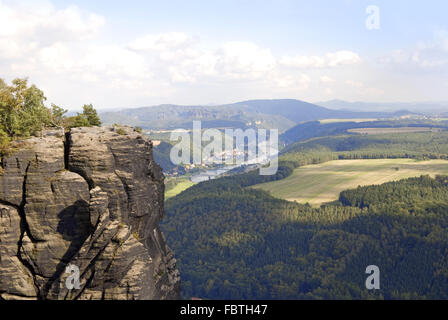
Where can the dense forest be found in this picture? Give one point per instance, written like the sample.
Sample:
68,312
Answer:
314,129
244,244
234,242
419,145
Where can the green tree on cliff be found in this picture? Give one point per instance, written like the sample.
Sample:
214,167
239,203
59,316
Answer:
22,109
4,141
58,116
88,118
23,113
91,115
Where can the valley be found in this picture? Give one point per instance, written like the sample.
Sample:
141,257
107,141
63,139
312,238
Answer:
339,200
223,151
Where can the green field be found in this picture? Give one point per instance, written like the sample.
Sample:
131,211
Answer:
317,184
176,186
327,121
393,130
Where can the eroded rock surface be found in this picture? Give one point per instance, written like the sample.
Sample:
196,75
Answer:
91,199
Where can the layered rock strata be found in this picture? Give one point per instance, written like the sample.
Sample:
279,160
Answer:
89,200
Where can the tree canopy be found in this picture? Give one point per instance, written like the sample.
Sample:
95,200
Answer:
23,113
235,242
88,118
22,108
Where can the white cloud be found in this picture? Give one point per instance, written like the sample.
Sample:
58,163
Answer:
355,84
62,51
329,91
243,60
343,57
424,56
162,42
303,61
293,82
332,59
326,79
364,90
419,58
30,21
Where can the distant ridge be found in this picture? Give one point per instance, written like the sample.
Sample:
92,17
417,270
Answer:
419,107
281,114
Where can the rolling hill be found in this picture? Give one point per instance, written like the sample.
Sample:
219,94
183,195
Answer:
419,107
234,241
280,114
313,129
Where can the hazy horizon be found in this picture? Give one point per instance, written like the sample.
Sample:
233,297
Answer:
326,104
118,55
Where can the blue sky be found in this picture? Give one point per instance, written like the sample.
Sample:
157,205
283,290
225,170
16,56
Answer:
132,53
285,25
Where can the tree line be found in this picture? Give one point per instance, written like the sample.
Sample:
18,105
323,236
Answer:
234,242
244,244
23,113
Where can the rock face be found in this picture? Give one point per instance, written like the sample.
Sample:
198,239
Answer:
88,201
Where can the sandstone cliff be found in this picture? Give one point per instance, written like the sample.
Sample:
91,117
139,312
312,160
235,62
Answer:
91,198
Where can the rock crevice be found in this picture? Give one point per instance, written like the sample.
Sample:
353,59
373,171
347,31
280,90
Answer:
92,199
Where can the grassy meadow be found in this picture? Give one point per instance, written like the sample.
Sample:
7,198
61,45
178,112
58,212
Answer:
327,121
393,130
317,184
174,186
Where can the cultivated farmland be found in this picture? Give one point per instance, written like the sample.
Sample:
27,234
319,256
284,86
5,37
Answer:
317,184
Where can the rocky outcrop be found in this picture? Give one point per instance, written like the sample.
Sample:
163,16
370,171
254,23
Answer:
90,199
